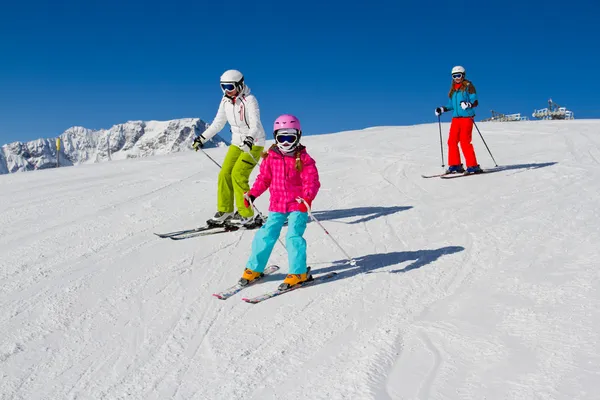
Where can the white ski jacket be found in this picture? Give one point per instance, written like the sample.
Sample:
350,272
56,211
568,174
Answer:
243,115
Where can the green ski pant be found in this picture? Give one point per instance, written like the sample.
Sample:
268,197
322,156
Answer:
234,177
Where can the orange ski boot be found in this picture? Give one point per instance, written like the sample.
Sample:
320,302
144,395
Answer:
295,279
248,276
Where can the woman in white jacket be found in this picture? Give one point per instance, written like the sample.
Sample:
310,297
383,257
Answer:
240,109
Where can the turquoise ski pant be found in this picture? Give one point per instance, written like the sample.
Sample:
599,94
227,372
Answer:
267,236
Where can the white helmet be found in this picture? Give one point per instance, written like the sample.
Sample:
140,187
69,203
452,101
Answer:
458,70
232,77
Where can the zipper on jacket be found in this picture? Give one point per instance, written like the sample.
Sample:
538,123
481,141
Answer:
245,112
285,179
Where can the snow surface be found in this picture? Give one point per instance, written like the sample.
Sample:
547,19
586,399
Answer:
483,287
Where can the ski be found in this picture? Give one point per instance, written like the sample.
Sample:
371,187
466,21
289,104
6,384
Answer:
436,175
187,231
218,230
460,175
227,293
277,292
207,232
485,171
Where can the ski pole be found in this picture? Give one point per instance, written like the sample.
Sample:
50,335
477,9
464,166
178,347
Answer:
211,159
350,259
255,160
256,210
441,145
486,146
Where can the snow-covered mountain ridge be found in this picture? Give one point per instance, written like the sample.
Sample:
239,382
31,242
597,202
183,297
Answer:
81,145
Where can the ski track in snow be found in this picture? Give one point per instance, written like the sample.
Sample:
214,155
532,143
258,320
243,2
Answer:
483,287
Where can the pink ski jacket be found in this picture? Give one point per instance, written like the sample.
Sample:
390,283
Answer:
278,173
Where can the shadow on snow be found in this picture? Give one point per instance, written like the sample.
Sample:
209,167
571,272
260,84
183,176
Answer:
366,213
522,166
372,262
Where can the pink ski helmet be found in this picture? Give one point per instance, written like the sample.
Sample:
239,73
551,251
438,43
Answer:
286,121
287,132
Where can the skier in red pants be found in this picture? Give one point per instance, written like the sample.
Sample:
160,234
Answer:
463,100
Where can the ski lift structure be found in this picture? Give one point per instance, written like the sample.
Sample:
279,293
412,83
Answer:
499,117
553,111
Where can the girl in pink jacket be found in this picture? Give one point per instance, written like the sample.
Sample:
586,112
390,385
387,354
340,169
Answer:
291,176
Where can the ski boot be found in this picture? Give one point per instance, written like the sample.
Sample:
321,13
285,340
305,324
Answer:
248,276
245,222
474,170
219,219
455,169
295,279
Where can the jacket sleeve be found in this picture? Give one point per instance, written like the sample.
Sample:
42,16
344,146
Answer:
472,95
310,178
253,116
449,106
263,180
218,122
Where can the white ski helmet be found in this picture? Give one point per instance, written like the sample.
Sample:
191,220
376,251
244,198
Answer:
232,77
458,70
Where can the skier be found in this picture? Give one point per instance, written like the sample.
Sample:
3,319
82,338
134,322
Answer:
292,177
463,100
240,109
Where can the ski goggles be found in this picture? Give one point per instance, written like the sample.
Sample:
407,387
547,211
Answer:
456,76
228,87
286,136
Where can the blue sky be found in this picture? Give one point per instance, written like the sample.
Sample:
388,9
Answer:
336,65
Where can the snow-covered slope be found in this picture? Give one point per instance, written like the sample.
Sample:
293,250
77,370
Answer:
483,287
80,145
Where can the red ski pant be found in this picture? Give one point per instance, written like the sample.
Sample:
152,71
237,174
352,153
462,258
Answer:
461,130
